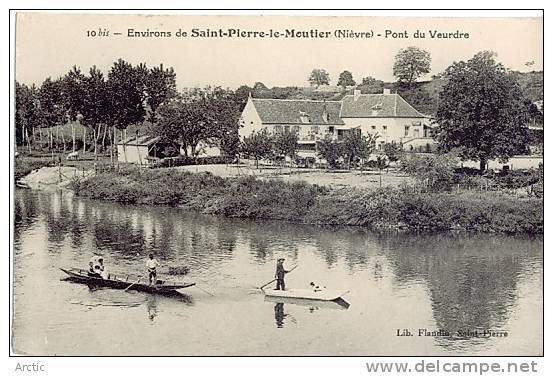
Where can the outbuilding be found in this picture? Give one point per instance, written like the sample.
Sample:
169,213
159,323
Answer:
140,150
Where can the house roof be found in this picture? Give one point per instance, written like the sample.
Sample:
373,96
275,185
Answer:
290,111
377,106
145,140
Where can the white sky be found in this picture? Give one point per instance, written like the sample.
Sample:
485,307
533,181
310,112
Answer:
49,44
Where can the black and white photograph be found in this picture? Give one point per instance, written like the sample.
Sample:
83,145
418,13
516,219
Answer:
276,185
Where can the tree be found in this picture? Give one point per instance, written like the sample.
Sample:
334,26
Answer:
319,77
160,85
73,93
329,150
94,104
346,79
258,145
198,115
358,146
393,151
127,96
482,111
52,105
286,144
370,85
411,63
27,113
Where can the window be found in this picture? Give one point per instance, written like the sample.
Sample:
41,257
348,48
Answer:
287,128
384,128
415,133
296,129
277,129
315,129
330,129
406,130
304,117
251,122
373,127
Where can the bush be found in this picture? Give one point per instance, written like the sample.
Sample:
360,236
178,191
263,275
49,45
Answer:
434,172
248,197
188,161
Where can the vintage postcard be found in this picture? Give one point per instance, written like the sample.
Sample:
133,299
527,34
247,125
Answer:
227,185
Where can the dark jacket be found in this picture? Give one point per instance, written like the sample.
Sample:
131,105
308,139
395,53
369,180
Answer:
280,271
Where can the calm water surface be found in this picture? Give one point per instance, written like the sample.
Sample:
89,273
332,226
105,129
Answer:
397,281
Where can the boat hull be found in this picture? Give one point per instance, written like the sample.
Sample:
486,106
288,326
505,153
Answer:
309,294
81,276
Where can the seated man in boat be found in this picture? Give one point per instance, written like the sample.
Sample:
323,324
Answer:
103,270
279,274
151,264
94,267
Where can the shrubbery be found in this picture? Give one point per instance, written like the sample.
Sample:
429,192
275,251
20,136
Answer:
248,197
24,166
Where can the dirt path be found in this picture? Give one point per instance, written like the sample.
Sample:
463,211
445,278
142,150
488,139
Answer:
54,177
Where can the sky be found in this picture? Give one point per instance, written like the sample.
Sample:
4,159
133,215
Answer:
49,44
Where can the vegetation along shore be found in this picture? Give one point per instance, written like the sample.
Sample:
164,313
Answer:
401,207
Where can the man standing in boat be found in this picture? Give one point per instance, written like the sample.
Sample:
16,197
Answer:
152,264
279,274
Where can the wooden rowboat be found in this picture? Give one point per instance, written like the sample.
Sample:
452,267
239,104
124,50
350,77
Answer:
115,282
324,294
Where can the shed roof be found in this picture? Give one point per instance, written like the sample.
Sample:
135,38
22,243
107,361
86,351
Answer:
145,140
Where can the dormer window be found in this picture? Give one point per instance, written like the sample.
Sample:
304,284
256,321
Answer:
377,107
304,117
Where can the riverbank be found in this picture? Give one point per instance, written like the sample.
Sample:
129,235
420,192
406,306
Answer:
248,197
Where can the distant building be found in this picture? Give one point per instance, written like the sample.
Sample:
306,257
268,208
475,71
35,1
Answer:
311,120
139,149
387,114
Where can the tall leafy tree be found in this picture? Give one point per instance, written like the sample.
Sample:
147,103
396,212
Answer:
411,63
95,102
482,112
52,105
27,113
125,85
73,93
319,77
198,116
160,86
346,79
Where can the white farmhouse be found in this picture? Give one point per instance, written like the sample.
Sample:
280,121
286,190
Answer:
387,114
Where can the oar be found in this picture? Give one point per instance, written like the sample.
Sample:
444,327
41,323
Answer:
207,292
268,283
132,284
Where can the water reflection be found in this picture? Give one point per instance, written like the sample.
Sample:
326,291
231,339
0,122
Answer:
472,283
439,282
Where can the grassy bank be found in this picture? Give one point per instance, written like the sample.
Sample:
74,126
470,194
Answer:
248,197
24,166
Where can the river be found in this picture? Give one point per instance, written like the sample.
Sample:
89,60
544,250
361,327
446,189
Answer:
399,284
